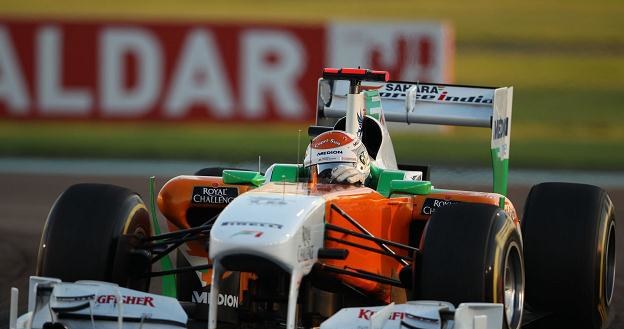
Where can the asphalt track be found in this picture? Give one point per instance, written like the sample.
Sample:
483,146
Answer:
25,200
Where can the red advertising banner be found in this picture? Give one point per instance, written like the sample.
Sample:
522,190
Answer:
184,71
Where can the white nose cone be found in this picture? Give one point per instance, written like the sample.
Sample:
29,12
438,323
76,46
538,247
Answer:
286,229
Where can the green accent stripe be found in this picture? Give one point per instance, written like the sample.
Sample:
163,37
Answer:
385,179
373,104
242,177
501,172
168,281
285,173
410,187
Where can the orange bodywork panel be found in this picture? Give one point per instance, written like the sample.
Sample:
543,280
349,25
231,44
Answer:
389,219
426,205
385,218
181,193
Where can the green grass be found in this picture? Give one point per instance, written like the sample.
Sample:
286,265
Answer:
551,148
563,22
471,148
125,140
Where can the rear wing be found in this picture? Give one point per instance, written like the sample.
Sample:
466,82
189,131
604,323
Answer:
428,103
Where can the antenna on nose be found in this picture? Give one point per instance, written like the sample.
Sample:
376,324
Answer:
298,155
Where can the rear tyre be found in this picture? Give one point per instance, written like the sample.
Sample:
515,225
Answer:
473,253
92,233
569,238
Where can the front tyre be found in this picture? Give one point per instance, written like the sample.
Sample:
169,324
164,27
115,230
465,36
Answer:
569,236
91,234
473,253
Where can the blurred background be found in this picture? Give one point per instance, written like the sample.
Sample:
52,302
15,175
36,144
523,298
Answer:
114,91
230,80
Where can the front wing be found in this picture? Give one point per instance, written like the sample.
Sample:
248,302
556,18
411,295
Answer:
102,305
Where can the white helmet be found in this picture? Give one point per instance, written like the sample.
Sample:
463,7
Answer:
337,156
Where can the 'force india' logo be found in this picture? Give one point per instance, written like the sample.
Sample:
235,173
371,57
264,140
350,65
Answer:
430,93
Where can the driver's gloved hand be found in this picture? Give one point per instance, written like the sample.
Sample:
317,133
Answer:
347,173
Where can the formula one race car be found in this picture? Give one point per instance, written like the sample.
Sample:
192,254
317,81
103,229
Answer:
284,249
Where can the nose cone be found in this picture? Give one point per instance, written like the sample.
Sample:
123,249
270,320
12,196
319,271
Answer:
286,229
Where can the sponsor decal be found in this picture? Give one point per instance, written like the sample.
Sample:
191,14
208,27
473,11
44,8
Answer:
255,234
480,99
305,250
334,159
434,93
366,315
431,205
251,224
501,128
130,300
213,195
328,153
324,143
201,297
421,89
331,139
399,90
264,201
163,70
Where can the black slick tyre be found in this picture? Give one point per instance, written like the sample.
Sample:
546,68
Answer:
569,238
92,233
473,253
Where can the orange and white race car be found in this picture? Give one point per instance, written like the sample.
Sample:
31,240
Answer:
288,249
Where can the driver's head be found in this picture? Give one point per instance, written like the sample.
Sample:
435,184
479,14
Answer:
337,157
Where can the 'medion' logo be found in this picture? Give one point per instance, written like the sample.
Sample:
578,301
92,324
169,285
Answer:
223,299
501,128
328,153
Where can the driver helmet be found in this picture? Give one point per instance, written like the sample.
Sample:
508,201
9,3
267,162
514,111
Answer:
330,152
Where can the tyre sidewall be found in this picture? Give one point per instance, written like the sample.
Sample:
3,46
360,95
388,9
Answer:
565,228
498,256
81,237
465,247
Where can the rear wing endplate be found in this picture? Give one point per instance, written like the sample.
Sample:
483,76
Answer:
440,104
